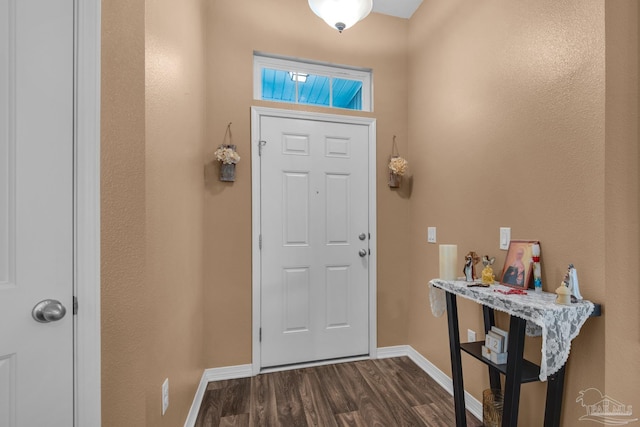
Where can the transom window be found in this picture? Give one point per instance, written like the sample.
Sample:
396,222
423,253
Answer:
304,82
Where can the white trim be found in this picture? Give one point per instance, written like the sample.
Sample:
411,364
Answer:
394,351
214,374
256,211
373,244
228,373
192,416
87,393
256,114
472,404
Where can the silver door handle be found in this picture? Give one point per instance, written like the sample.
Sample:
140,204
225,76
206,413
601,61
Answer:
362,253
48,310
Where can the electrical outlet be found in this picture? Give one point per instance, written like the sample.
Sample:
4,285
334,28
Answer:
471,335
505,237
165,395
431,234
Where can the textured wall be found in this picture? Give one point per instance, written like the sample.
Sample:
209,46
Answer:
288,27
506,128
175,112
504,110
622,213
152,207
126,318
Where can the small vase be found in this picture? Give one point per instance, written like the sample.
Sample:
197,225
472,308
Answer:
227,172
394,180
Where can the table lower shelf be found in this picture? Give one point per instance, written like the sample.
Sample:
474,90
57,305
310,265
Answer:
530,371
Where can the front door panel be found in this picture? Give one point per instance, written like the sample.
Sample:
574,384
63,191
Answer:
315,281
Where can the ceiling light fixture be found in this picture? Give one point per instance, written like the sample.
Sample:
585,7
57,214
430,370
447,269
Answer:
341,14
298,77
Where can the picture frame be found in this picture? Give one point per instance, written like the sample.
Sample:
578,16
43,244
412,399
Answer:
518,265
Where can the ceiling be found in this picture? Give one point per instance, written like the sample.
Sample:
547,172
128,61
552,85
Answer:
399,8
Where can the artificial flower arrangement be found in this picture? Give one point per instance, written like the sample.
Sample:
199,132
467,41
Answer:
397,168
228,158
398,165
227,154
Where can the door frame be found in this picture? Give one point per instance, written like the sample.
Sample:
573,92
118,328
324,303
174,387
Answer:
256,211
86,221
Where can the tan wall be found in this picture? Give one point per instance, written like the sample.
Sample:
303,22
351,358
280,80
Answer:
491,96
126,319
622,214
152,210
175,113
288,27
506,128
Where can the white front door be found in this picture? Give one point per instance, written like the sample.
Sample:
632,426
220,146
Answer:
36,212
315,240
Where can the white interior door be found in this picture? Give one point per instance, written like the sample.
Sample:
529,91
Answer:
315,240
36,211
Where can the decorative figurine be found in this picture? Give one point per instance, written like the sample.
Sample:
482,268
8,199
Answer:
537,275
469,270
571,282
487,272
564,295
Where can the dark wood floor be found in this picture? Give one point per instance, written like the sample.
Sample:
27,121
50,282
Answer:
385,392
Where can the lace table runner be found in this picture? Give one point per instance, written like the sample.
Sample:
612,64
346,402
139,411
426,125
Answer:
558,324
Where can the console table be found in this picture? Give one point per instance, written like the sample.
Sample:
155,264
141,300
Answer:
532,314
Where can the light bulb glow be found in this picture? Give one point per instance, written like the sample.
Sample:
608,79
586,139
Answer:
341,14
298,77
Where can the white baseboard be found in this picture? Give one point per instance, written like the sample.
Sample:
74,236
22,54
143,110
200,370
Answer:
243,371
395,351
214,374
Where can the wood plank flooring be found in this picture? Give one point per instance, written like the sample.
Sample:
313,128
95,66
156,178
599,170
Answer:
384,392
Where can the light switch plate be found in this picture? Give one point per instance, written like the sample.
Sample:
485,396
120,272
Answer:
505,237
431,234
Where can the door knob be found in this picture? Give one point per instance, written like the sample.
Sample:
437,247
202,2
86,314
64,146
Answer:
48,310
362,236
362,253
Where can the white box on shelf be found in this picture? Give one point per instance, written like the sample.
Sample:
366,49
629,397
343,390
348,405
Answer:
498,358
486,352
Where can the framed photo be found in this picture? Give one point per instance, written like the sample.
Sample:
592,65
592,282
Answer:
518,266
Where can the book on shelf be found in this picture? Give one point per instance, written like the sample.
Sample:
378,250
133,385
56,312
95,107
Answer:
494,341
504,333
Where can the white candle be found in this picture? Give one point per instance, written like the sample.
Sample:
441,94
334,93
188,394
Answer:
448,262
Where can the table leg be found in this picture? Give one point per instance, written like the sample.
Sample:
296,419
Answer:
514,372
456,360
489,321
553,408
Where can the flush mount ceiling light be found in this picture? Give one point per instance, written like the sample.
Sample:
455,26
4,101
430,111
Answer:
341,14
298,77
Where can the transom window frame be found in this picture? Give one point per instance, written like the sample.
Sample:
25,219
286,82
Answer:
305,66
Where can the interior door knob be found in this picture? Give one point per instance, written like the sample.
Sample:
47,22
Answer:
362,253
48,310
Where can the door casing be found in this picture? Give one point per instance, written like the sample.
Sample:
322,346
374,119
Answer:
256,114
87,393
